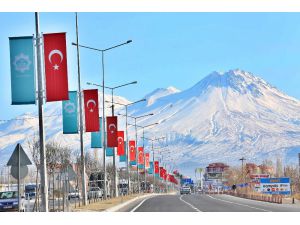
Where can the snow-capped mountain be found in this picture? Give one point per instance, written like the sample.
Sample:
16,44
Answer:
221,118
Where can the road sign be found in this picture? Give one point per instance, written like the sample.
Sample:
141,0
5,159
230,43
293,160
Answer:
18,160
279,186
14,170
14,159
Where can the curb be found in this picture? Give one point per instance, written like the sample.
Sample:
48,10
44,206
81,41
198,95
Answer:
118,207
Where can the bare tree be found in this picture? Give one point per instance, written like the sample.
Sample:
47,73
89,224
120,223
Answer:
34,149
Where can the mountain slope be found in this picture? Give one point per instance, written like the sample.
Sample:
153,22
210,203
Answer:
221,118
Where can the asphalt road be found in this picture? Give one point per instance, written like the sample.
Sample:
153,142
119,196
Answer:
205,203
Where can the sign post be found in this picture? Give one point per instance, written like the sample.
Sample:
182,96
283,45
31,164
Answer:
17,160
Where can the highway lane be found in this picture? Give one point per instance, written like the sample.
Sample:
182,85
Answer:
205,203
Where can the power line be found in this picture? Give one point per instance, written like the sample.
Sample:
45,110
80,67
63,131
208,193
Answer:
29,118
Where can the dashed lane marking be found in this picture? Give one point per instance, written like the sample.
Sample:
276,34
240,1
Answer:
189,204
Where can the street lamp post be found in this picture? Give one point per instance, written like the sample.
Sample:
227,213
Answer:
127,155
112,113
103,100
153,156
136,141
143,127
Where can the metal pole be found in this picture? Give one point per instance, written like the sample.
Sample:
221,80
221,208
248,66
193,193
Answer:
82,160
137,156
103,130
43,169
153,168
145,178
114,151
19,189
127,150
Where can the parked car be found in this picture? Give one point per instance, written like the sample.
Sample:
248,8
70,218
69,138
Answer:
74,194
185,190
95,192
9,201
30,191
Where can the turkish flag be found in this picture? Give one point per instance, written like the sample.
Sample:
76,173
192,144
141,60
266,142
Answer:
161,172
156,167
56,71
147,160
112,131
120,150
141,155
132,155
91,110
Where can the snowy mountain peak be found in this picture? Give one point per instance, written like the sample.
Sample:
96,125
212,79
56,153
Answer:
237,80
159,93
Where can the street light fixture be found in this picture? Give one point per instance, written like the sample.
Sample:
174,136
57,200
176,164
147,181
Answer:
153,157
112,113
143,127
103,104
136,139
127,158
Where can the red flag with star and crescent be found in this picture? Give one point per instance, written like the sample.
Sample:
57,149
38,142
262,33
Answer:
91,110
56,71
120,149
141,155
132,155
147,160
112,131
156,167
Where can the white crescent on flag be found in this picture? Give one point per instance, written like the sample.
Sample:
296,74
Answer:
112,125
53,52
93,102
120,140
56,51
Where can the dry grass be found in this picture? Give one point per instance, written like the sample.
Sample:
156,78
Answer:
297,196
103,205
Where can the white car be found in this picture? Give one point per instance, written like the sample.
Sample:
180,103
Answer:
185,190
95,192
74,194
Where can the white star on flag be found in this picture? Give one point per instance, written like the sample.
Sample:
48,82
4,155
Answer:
56,67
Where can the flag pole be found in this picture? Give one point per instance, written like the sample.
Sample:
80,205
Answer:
43,169
82,160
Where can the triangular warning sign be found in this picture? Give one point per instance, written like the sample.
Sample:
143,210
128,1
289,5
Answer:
14,159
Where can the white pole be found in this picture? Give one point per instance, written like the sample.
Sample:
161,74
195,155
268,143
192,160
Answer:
82,160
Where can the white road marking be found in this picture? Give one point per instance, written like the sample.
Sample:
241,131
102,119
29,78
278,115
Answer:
135,208
189,204
239,204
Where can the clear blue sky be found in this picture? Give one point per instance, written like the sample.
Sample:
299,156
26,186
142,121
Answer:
168,49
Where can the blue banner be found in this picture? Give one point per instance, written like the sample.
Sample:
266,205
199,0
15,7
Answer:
132,163
70,114
150,170
141,166
275,186
96,137
122,158
275,180
22,70
109,151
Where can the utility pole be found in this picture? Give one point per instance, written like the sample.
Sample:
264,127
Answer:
43,169
82,160
243,159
